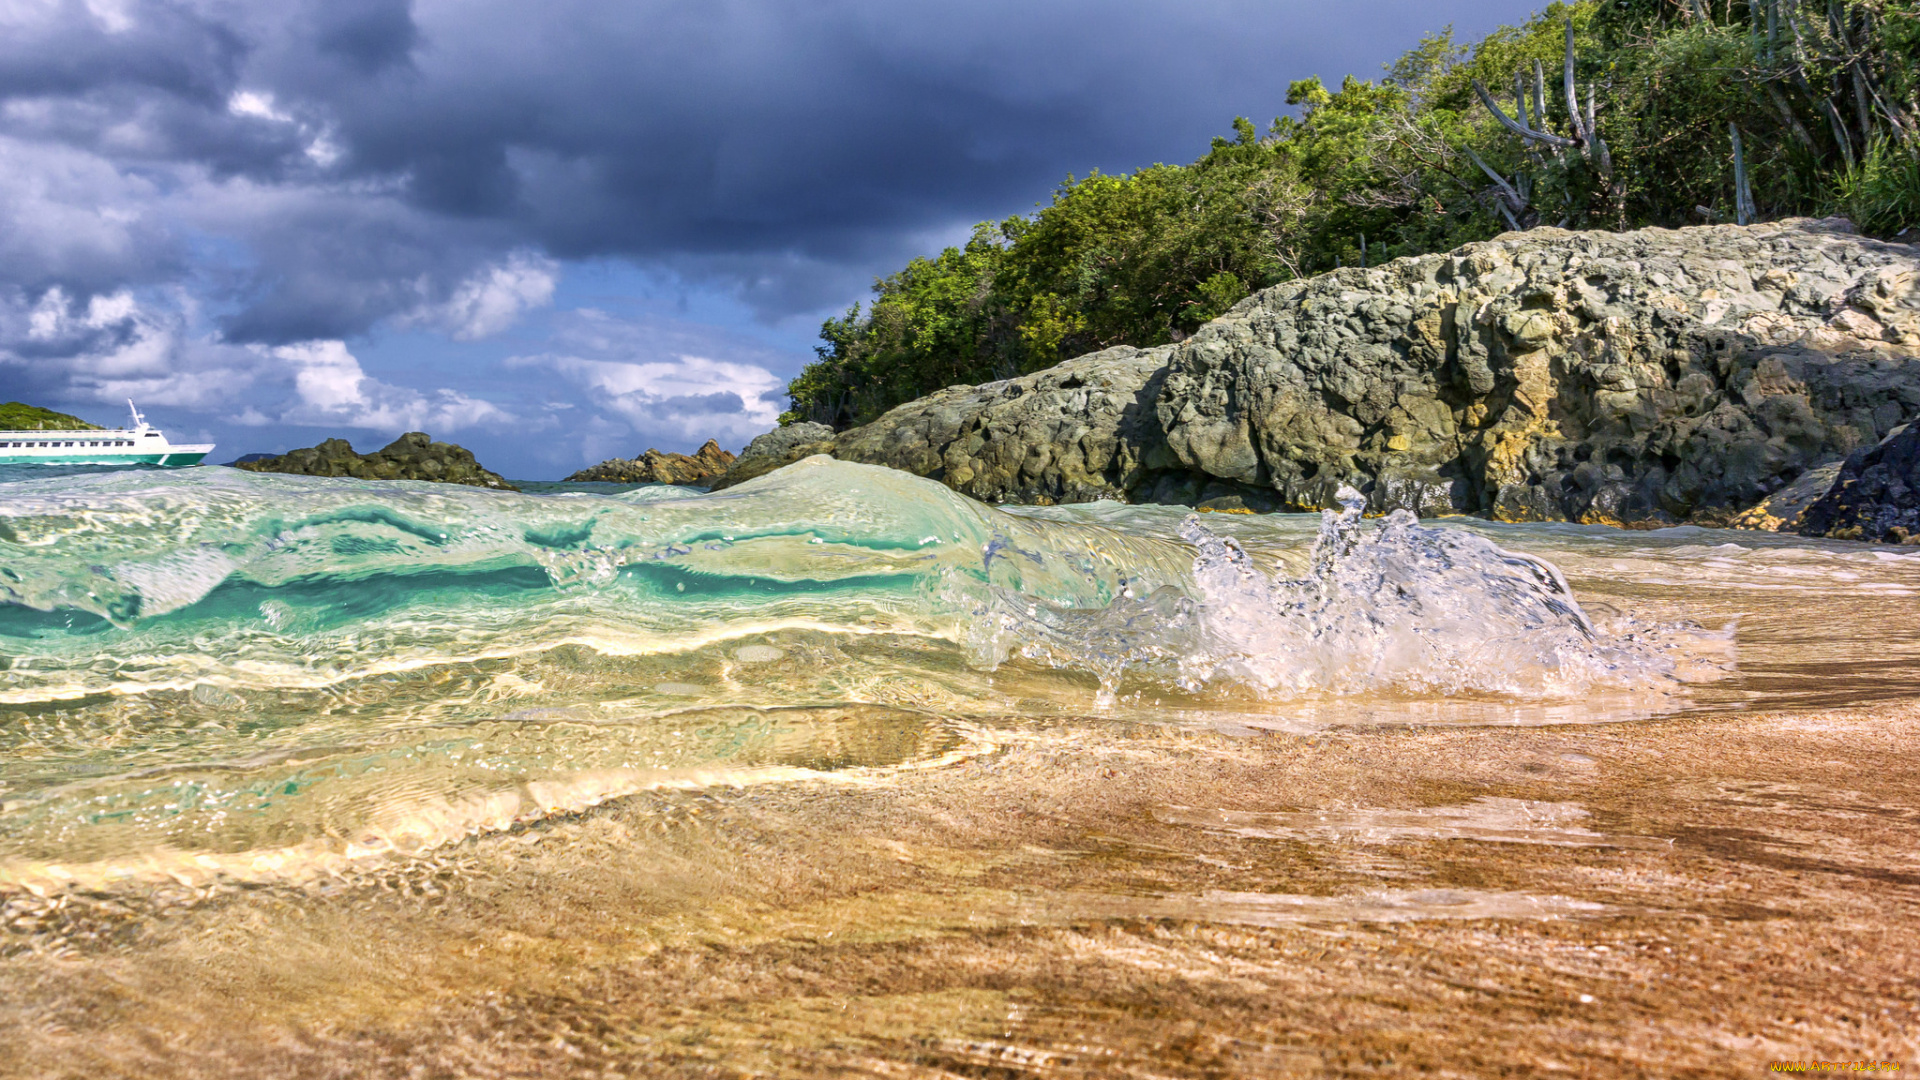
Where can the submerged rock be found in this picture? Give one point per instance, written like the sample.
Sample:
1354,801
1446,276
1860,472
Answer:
1639,378
1876,497
413,456
654,467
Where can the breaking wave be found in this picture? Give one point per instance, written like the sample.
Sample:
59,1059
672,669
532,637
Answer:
129,582
213,674
1395,606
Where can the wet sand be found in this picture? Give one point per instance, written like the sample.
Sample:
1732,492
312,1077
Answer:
1682,897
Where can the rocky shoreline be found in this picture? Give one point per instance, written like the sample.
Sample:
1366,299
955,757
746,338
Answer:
1638,379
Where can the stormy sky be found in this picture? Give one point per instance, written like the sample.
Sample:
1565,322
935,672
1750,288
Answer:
559,231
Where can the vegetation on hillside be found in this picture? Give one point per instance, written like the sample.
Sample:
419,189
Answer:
17,416
1823,97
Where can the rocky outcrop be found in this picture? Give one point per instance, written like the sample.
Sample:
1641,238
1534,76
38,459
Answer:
1646,377
654,467
1080,431
1638,378
776,449
1782,511
1876,497
413,456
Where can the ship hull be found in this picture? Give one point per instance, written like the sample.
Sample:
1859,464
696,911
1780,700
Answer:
169,459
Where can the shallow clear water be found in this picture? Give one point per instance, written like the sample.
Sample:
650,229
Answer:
210,675
838,773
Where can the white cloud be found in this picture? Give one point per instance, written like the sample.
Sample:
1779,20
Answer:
111,15
322,149
493,299
253,103
688,397
332,389
115,346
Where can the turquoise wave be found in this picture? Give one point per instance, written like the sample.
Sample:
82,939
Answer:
118,582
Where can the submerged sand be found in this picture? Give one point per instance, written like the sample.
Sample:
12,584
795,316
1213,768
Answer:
1694,896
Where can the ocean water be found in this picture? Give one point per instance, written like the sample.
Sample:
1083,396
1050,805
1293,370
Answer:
219,674
217,680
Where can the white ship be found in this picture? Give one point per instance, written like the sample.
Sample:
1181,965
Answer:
139,445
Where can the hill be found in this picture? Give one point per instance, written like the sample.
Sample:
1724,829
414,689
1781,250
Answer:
1689,113
18,416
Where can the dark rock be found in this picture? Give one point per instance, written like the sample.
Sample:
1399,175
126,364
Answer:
412,456
1875,497
654,467
245,459
1783,510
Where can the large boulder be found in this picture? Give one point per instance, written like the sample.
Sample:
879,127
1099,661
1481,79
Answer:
776,449
698,469
1877,495
1623,378
413,456
1784,510
1080,431
1637,378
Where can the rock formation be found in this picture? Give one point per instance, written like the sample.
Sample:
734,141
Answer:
1782,510
654,467
413,456
779,447
1877,495
1644,378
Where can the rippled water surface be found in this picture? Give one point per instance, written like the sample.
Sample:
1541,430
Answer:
214,679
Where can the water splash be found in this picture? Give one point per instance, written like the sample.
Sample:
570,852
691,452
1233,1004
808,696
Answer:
1396,607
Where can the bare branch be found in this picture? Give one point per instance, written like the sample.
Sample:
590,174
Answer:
1743,212
1511,197
1515,126
1573,96
1785,110
1597,154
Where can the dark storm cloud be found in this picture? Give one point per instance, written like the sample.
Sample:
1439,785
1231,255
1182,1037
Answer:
340,162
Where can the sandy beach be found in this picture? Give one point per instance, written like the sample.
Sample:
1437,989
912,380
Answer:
1685,897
